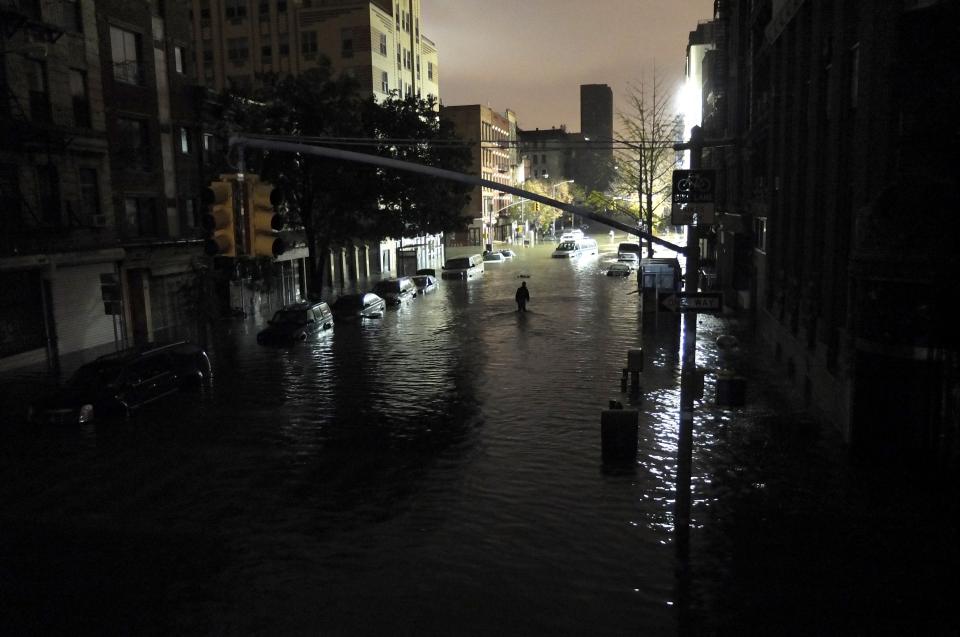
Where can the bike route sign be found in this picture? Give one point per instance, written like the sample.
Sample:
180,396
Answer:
693,197
703,302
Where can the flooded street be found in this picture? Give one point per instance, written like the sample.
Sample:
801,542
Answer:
438,471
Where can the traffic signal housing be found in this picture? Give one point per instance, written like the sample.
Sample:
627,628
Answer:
264,219
218,219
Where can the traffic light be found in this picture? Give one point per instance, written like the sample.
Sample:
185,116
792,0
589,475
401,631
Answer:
263,218
536,206
218,219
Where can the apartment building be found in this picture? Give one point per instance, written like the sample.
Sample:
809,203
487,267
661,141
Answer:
379,42
837,199
493,138
100,176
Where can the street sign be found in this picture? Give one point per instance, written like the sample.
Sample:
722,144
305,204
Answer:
702,302
693,197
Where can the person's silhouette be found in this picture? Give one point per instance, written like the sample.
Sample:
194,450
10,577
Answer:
522,296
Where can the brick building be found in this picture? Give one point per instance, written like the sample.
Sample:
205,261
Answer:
836,193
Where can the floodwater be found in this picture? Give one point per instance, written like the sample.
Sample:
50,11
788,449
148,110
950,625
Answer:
438,471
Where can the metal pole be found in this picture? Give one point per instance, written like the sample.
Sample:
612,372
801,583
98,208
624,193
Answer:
688,373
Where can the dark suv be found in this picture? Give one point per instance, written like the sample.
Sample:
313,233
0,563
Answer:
120,383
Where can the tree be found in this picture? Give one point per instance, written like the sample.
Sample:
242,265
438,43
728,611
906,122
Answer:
412,203
541,215
338,201
650,128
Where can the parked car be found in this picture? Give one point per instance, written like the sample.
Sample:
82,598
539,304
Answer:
120,383
463,267
493,257
630,259
296,322
358,307
628,248
430,271
507,253
425,283
396,291
619,269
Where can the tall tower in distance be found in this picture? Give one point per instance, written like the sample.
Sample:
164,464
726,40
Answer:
596,112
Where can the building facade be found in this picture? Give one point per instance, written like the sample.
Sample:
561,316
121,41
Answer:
57,231
833,158
493,139
379,42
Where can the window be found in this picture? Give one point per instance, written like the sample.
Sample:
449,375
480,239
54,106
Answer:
308,43
235,9
284,42
139,216
760,234
266,54
346,43
189,217
281,6
383,43
205,10
125,51
430,70
40,110
178,59
264,10
81,103
384,82
209,148
134,143
89,193
185,145
237,50
48,193
854,75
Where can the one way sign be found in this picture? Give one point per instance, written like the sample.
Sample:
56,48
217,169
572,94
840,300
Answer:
704,302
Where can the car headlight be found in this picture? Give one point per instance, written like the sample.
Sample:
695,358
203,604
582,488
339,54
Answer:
86,413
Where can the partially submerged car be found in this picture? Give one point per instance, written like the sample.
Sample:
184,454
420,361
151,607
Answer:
619,269
297,322
358,307
425,283
493,257
395,291
120,383
507,253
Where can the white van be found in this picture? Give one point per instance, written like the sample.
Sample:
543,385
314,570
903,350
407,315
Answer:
463,267
573,248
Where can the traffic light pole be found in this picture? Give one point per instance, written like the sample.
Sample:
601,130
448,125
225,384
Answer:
689,389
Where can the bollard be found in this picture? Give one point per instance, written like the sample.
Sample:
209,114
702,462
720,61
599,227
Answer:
618,434
635,359
623,380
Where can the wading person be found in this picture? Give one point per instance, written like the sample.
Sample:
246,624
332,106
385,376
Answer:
522,296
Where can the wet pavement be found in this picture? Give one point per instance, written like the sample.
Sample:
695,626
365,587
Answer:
438,472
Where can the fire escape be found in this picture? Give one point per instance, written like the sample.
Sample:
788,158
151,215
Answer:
25,32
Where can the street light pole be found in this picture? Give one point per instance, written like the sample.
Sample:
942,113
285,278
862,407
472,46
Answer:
553,194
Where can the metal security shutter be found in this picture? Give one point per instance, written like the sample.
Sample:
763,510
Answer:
21,312
78,308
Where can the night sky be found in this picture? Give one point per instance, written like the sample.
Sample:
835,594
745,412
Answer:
531,56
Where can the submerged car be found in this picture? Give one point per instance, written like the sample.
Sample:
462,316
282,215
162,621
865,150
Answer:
358,307
630,259
508,254
619,269
425,283
395,291
296,322
120,383
493,257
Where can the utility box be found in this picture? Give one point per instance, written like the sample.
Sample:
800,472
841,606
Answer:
619,429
